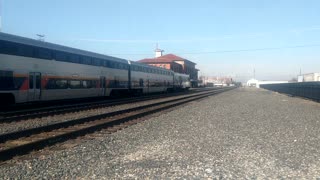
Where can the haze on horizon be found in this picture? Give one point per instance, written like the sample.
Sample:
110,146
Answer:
224,38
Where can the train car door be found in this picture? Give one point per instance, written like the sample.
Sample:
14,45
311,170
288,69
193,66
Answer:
34,92
103,85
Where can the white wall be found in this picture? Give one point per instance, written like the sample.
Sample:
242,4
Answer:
270,82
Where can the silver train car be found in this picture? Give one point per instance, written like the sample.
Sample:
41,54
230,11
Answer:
181,81
32,70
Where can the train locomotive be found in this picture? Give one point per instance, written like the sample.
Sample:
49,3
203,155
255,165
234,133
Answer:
32,70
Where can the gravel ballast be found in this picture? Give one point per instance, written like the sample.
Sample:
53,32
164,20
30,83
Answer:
243,133
46,120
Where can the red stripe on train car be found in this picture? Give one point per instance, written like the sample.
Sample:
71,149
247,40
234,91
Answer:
25,84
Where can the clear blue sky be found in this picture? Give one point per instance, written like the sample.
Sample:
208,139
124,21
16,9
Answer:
209,32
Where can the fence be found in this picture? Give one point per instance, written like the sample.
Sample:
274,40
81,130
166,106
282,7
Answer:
310,90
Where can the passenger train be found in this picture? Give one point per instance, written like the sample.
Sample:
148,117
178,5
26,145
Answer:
32,70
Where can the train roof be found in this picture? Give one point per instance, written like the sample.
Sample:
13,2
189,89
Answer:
149,66
37,43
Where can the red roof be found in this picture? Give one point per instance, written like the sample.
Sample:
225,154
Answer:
165,58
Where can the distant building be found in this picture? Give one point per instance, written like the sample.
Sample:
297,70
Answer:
175,63
210,81
252,82
311,77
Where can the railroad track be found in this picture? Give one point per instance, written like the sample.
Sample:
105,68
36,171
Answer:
22,142
24,114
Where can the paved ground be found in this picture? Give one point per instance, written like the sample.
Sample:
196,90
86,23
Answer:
244,133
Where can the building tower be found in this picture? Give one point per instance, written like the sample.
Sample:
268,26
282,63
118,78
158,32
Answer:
158,51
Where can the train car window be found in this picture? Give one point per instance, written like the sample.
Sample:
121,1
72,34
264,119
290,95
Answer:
108,64
85,60
6,80
25,50
74,58
38,82
30,81
95,62
74,84
105,63
112,64
43,53
9,48
91,84
102,62
50,84
61,84
57,84
87,84
94,83
17,82
61,56
141,82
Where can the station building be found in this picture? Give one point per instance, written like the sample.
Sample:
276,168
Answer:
174,63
